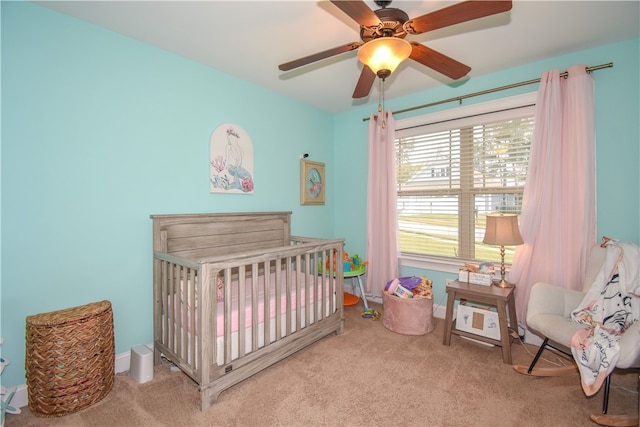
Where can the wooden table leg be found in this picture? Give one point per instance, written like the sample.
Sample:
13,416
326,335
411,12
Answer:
504,333
451,297
513,318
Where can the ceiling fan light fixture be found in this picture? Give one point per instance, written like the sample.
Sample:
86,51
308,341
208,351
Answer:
384,54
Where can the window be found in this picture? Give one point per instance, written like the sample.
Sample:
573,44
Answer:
455,167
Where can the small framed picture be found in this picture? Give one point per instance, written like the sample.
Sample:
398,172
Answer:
312,183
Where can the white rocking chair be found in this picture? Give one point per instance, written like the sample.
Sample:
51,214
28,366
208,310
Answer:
549,314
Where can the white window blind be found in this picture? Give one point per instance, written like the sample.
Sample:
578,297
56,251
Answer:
451,172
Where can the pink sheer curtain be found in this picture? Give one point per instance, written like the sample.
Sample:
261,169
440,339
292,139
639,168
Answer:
558,218
382,226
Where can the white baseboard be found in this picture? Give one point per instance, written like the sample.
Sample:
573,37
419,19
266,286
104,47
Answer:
123,361
439,311
19,399
122,364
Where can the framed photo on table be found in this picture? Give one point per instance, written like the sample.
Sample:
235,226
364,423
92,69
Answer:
312,183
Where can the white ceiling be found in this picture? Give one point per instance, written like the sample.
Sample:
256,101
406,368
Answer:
249,39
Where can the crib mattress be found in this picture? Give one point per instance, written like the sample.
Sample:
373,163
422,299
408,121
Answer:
288,303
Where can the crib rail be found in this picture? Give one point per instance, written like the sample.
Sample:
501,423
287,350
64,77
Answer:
175,310
187,310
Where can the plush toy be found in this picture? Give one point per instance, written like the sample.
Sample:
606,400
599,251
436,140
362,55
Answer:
328,265
423,289
351,263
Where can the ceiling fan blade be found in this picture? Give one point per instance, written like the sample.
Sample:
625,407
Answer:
365,82
318,56
437,61
359,12
455,14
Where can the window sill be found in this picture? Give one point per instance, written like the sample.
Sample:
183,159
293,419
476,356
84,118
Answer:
436,264
439,264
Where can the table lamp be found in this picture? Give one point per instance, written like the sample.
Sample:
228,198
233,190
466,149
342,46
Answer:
502,229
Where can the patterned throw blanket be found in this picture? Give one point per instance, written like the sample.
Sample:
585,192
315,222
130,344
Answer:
608,309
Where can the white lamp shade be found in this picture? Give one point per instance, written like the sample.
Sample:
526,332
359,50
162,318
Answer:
384,53
502,230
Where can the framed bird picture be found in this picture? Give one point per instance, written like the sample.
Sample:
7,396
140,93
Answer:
312,183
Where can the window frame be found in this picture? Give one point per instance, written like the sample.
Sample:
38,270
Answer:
494,107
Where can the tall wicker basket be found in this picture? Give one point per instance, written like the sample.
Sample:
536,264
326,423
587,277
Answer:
70,358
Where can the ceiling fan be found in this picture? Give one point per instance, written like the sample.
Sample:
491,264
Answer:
391,25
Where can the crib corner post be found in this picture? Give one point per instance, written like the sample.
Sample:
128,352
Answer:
208,396
156,355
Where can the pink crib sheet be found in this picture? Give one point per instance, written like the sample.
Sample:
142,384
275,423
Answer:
180,303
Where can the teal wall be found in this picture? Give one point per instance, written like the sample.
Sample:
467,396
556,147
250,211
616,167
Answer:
99,131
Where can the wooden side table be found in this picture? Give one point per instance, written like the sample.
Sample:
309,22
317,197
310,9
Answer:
502,298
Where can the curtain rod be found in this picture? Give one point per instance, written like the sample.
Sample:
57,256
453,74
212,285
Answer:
495,89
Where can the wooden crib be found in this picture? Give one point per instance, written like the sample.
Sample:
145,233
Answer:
204,263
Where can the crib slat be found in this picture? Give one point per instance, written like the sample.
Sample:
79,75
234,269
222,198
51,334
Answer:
266,302
181,316
180,302
219,275
325,278
308,289
278,274
172,308
255,306
227,316
242,299
298,293
291,296
190,337
334,303
287,274
315,278
319,278
310,285
163,302
169,302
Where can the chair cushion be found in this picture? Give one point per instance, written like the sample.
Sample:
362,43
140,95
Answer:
557,328
549,299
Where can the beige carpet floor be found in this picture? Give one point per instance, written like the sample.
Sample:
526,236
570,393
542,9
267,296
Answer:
367,376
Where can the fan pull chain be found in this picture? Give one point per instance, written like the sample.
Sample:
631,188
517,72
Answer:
381,102
379,96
